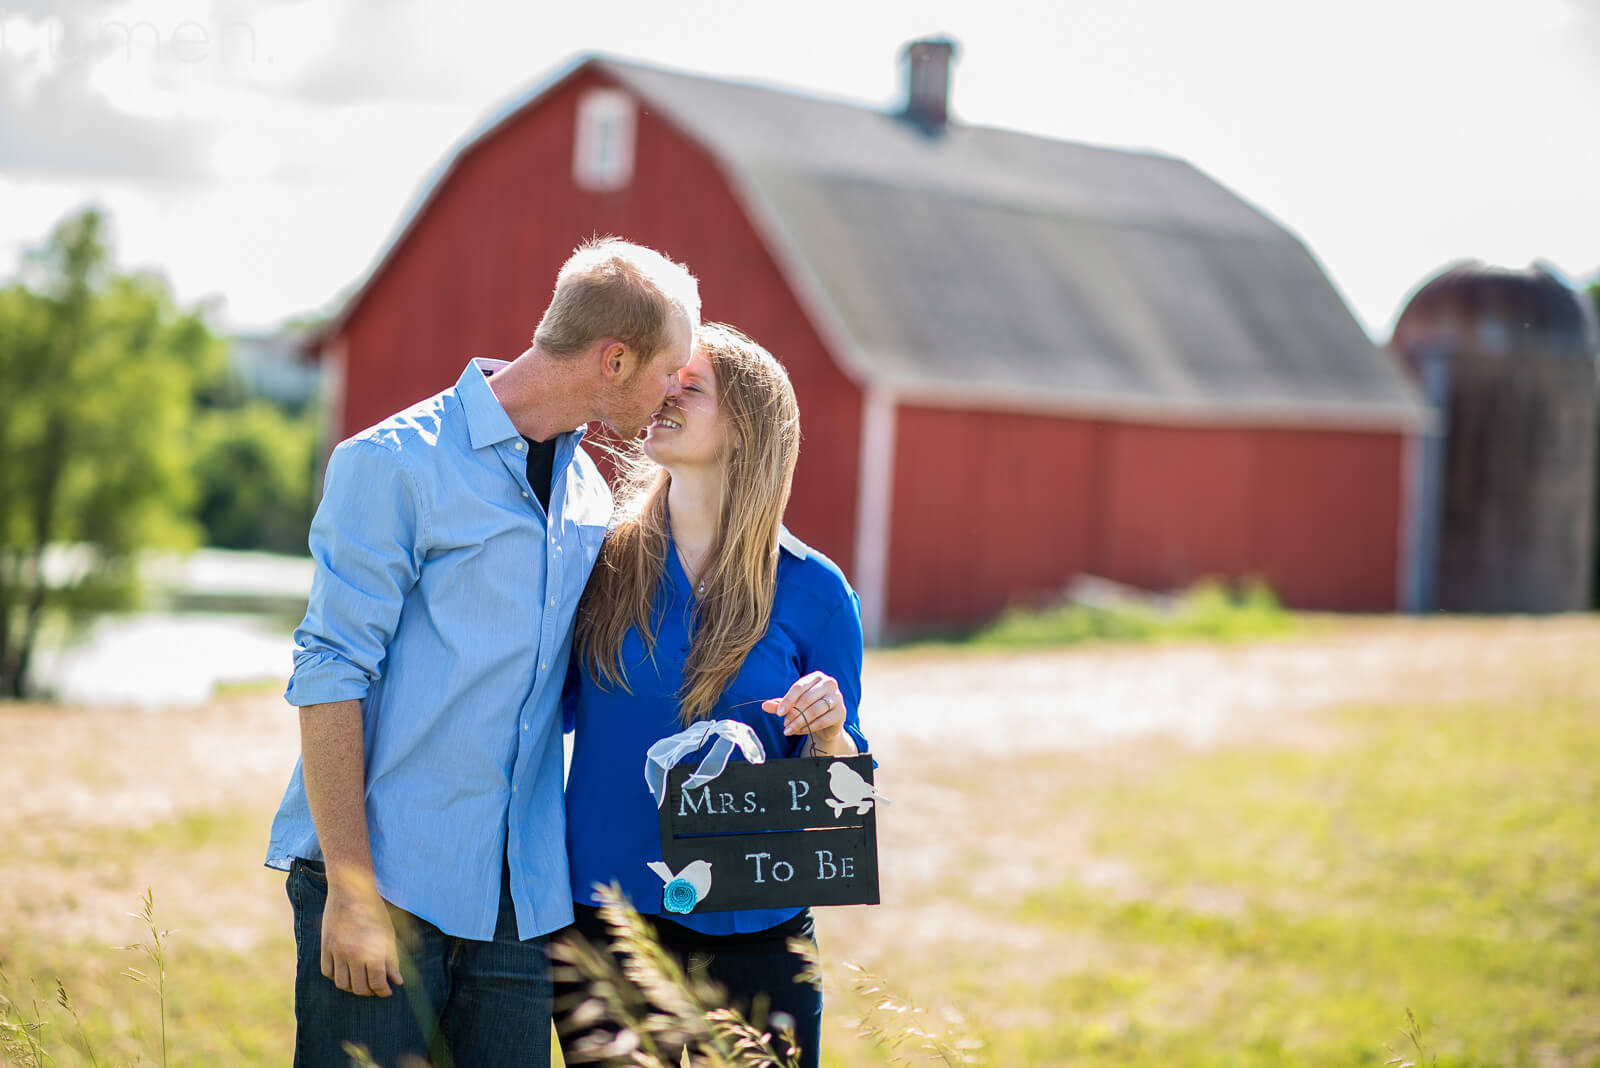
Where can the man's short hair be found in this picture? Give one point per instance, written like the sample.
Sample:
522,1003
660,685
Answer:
611,288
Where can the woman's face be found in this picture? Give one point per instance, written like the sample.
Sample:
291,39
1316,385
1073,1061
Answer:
687,429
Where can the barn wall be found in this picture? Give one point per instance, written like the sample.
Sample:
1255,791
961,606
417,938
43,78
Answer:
475,273
987,509
993,509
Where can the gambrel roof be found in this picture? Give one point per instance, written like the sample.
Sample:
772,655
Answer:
984,267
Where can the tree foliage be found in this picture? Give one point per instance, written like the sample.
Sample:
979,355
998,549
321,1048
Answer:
99,372
254,469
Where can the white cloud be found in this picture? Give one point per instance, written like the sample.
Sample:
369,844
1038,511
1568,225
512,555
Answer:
1391,137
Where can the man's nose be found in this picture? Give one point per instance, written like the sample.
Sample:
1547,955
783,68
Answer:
674,390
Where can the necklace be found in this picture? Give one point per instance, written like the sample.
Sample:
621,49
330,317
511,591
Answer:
689,573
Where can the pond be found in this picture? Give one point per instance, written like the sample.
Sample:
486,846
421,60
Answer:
166,658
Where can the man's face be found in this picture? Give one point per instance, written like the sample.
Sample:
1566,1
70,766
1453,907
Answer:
639,396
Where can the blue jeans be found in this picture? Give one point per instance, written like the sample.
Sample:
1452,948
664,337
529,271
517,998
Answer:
465,1003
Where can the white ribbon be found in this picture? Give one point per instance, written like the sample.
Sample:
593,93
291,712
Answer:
729,734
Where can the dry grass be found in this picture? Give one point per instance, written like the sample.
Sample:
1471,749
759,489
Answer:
1013,885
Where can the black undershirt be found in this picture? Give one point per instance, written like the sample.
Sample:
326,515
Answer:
541,462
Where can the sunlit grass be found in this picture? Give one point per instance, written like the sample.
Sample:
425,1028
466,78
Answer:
222,1008
1278,906
1276,901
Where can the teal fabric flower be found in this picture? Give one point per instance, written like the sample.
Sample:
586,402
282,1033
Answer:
680,896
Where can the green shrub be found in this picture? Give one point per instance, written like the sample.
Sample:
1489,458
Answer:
1207,610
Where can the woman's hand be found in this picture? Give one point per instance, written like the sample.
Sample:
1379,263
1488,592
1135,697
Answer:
814,706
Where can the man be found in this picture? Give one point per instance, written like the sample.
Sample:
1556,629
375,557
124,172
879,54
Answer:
422,829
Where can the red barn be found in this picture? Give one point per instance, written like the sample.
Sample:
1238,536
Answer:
1018,360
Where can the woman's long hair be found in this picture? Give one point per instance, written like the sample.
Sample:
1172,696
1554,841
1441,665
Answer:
760,445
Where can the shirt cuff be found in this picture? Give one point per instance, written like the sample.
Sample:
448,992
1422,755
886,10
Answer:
861,741
323,678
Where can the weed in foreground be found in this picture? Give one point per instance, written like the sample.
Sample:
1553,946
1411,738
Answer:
19,1036
22,1037
65,1001
155,950
1418,1056
659,1016
904,1030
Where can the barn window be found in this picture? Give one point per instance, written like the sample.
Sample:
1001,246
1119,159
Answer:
602,157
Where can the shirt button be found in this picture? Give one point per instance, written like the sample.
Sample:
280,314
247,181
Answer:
552,602
542,667
524,726
524,493
518,446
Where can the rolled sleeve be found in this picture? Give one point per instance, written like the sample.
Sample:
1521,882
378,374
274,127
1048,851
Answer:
366,544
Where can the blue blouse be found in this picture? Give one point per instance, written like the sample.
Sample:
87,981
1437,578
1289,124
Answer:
613,829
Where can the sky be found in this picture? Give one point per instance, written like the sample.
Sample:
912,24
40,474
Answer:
260,153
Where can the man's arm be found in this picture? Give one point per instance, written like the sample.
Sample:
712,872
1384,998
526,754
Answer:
358,940
366,541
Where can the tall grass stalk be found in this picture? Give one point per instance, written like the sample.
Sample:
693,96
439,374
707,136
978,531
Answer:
65,1001
155,950
662,1015
19,1036
902,1028
1412,1033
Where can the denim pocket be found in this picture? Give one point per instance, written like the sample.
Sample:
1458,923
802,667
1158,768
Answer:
313,871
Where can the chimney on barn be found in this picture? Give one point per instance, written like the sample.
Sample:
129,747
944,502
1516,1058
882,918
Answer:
927,77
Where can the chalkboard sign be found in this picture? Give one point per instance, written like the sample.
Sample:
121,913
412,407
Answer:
786,833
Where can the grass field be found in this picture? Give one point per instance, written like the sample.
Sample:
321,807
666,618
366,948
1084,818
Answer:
1279,895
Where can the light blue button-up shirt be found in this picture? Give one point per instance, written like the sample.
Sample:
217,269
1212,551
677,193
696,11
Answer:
444,601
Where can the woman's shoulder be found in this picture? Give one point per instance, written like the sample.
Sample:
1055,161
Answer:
803,570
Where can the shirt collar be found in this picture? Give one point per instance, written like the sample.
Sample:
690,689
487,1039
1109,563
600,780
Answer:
792,545
487,421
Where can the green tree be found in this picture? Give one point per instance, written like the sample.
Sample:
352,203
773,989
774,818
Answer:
98,376
254,466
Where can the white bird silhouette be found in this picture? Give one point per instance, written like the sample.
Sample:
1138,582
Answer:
697,873
851,790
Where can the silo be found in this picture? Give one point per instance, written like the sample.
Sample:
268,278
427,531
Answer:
1506,513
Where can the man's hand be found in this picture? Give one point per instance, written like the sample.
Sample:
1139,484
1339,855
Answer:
358,941
358,950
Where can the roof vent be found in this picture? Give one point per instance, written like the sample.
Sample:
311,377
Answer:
927,73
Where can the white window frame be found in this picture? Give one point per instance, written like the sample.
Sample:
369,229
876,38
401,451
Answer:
602,152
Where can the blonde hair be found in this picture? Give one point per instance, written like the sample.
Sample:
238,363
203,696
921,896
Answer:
760,445
611,288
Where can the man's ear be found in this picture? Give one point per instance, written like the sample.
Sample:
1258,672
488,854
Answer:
616,361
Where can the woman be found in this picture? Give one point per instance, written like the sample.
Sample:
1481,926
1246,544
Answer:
702,607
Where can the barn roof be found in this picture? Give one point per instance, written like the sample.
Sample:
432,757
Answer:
978,266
